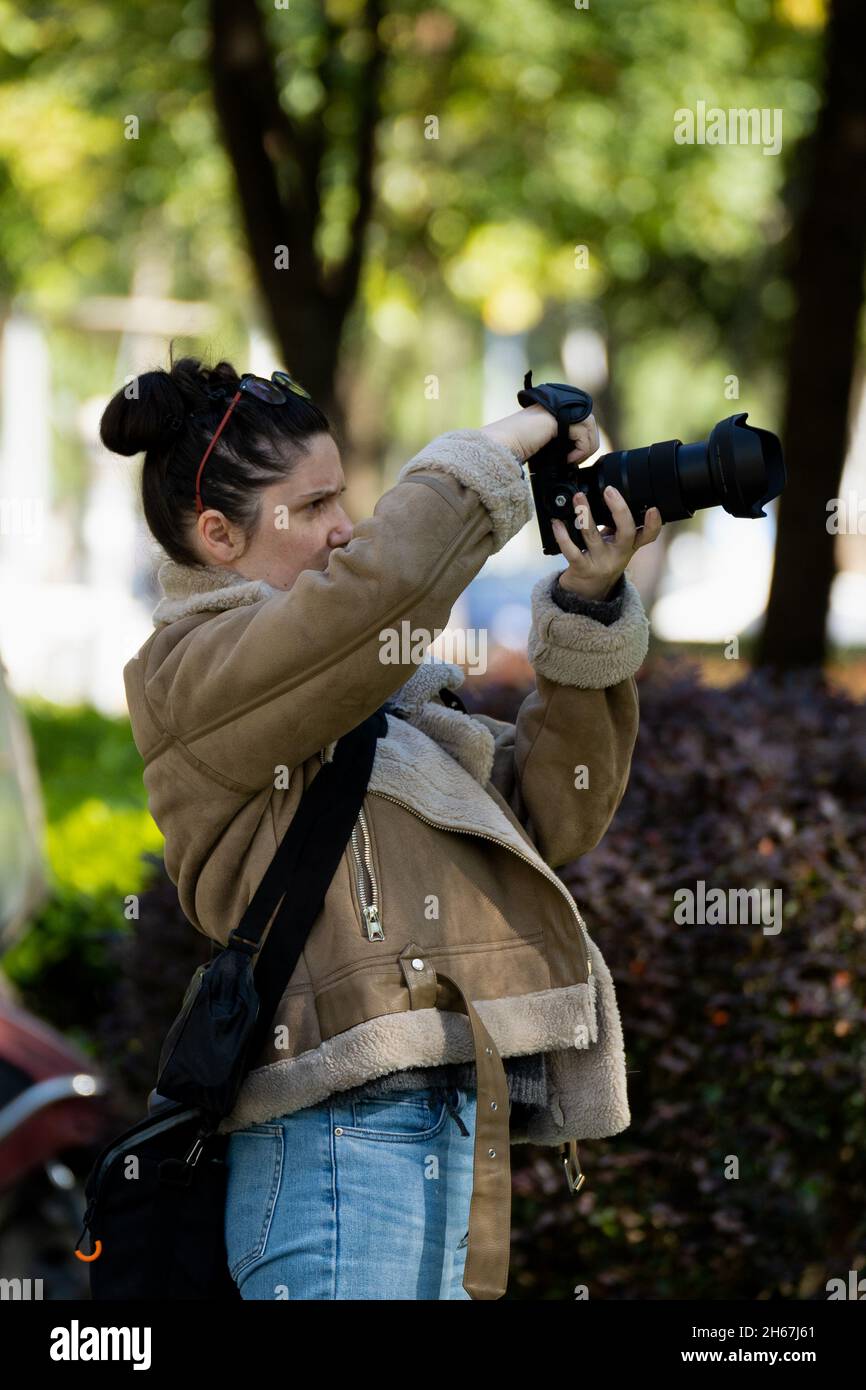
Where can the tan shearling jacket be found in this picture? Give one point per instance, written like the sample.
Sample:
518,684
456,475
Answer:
474,949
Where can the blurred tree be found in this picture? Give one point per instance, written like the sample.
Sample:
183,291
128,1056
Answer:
106,140
281,167
502,150
827,274
505,140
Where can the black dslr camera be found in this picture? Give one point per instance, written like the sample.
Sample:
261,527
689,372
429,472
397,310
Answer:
739,467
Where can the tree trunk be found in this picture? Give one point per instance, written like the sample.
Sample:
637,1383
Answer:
278,166
829,257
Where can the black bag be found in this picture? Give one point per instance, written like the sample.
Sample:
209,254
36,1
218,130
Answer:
156,1193
158,1227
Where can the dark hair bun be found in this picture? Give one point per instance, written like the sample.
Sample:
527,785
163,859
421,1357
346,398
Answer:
150,410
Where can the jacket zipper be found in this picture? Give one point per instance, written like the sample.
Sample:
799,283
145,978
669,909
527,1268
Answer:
369,908
547,873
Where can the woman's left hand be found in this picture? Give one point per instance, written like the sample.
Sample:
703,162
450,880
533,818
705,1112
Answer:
592,574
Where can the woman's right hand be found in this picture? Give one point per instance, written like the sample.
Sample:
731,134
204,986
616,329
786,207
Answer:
528,430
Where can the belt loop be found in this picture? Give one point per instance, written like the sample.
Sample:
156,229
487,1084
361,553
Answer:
419,976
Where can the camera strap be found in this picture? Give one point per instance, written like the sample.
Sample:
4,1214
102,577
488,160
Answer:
568,404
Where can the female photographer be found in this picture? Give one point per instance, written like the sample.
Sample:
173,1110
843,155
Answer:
353,1167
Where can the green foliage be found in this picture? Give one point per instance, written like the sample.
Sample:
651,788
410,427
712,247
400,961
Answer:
95,803
555,129
96,847
84,184
97,829
62,966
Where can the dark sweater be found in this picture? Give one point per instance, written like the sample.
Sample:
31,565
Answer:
527,1076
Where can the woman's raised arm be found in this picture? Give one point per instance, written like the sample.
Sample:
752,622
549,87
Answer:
267,685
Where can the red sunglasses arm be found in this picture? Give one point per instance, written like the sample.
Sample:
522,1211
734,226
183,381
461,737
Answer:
219,429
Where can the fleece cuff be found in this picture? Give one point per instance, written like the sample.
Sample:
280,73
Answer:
488,468
574,649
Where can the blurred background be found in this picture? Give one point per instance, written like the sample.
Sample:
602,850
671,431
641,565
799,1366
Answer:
408,208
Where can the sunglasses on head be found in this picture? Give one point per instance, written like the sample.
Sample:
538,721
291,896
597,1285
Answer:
273,392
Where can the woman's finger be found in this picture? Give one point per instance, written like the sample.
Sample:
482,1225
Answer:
651,528
589,529
621,513
573,555
585,436
580,560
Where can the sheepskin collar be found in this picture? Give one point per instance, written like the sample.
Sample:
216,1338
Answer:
203,589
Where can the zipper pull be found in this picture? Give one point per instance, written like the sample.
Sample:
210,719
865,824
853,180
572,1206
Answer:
85,1229
584,933
374,926
571,1162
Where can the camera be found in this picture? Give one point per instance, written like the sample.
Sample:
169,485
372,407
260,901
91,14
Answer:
739,467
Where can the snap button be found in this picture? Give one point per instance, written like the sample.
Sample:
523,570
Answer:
417,963
489,1051
338,1130
493,1105
492,1153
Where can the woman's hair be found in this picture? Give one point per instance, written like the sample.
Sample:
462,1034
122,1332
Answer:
171,417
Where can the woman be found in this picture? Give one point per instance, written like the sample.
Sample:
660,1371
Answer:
449,1001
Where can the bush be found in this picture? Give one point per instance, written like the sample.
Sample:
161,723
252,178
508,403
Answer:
97,829
738,1043
151,966
111,981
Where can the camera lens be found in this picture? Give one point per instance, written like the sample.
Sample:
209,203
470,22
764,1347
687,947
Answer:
740,468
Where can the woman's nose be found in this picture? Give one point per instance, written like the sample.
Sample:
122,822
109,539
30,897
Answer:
342,534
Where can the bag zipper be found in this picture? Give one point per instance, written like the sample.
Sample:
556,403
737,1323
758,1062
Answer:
548,873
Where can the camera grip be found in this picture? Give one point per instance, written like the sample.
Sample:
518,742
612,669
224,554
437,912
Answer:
554,481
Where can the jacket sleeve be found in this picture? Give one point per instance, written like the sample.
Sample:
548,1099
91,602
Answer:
254,688
563,765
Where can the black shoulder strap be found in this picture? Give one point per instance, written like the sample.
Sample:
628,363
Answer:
448,697
304,865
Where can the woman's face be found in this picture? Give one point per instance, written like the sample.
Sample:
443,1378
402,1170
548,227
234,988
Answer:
301,521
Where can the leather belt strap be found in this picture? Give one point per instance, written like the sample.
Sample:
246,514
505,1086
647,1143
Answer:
488,1249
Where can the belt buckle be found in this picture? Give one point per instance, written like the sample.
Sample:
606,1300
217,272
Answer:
574,1177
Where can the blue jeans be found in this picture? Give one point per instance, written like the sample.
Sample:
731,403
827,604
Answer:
365,1199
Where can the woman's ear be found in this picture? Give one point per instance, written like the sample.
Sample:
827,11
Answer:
217,540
